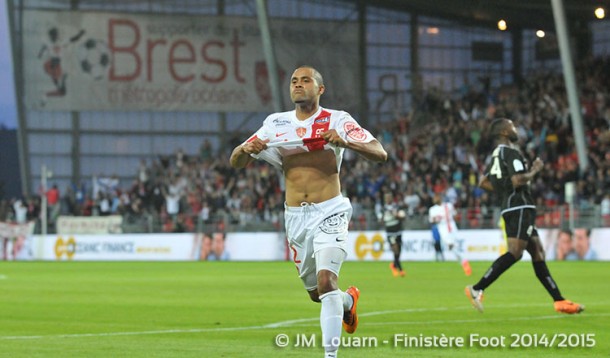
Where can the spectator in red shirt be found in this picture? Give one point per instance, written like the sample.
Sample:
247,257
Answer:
53,203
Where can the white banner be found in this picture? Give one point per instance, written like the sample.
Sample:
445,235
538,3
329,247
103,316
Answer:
266,246
93,225
482,245
260,246
474,245
133,247
13,230
118,61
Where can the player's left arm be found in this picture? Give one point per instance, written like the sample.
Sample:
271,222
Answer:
347,133
485,183
519,176
453,211
372,150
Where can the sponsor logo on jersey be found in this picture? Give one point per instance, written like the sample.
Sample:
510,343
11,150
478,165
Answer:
279,134
281,122
301,132
322,120
354,131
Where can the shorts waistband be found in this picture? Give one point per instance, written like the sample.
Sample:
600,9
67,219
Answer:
307,206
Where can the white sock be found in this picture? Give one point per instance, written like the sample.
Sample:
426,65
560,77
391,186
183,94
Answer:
331,316
348,300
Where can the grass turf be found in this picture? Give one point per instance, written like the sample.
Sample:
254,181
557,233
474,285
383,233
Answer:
237,309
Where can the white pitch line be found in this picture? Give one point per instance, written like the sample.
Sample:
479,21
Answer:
110,334
295,323
556,316
193,330
414,323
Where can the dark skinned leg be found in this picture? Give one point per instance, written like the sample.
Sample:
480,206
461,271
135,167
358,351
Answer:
536,250
396,251
503,263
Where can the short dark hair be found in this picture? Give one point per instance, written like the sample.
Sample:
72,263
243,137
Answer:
497,126
316,74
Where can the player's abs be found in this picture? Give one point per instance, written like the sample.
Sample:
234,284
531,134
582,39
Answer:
311,177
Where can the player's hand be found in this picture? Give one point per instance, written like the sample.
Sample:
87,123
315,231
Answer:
537,165
334,138
255,147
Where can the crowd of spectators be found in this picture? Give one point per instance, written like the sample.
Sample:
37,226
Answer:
439,148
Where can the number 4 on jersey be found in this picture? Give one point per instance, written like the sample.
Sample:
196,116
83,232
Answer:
495,166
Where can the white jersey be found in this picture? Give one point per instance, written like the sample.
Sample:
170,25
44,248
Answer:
285,126
443,215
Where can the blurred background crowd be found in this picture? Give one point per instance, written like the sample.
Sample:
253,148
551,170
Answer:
439,148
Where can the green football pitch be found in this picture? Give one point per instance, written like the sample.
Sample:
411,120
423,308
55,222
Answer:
249,309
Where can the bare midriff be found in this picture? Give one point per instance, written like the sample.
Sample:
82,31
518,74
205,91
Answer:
311,177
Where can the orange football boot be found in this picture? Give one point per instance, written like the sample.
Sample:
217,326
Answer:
566,306
350,318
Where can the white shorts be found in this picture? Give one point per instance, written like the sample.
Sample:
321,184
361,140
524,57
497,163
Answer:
447,237
311,228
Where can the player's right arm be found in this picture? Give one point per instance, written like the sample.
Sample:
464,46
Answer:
241,155
249,150
432,218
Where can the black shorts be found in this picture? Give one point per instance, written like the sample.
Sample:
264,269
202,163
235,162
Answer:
394,238
520,223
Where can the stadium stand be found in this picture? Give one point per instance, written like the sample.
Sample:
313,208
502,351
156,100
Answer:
185,192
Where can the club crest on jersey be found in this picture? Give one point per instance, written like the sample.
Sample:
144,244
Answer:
301,132
354,131
322,120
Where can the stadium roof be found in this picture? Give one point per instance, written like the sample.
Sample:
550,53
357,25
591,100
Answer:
535,14
528,14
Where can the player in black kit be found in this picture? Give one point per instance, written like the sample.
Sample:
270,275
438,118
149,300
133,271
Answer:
392,215
509,178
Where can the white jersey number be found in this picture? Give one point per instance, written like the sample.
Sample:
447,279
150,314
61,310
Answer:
495,167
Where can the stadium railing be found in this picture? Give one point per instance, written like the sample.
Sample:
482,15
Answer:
467,218
564,216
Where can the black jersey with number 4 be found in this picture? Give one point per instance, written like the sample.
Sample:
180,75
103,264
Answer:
506,162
